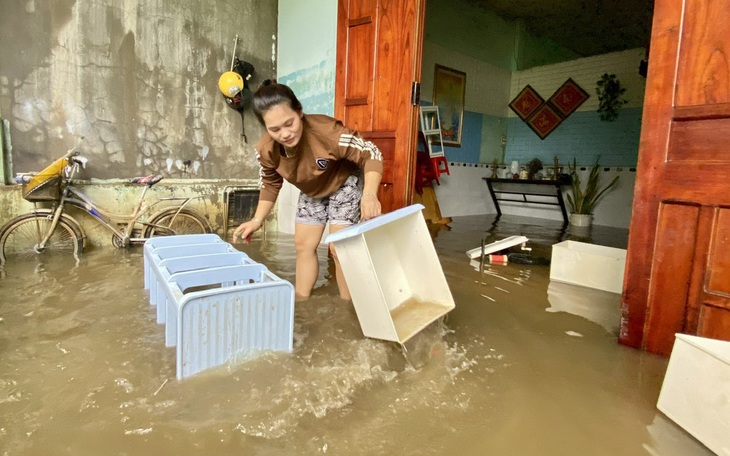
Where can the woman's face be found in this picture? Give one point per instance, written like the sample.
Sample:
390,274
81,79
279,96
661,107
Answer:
284,124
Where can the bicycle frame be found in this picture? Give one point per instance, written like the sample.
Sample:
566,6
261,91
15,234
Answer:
75,197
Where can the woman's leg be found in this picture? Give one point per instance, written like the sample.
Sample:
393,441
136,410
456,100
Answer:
342,212
341,284
306,241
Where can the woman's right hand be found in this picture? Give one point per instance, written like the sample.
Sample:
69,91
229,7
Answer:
245,230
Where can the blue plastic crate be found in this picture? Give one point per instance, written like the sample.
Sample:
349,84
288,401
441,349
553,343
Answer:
172,241
235,311
161,272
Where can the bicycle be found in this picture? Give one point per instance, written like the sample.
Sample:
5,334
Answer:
48,230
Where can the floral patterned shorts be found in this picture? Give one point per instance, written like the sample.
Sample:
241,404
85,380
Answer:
340,208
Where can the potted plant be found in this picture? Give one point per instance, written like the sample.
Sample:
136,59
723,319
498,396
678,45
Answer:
610,96
583,198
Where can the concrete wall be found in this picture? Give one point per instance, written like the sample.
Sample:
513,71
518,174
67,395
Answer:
136,80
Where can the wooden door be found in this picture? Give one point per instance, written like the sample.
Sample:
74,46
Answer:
678,265
378,60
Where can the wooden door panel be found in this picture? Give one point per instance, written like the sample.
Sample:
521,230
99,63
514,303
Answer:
671,271
718,277
394,75
703,60
715,323
700,141
359,81
677,272
378,58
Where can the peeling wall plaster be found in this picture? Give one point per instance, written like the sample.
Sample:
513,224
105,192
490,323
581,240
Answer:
136,79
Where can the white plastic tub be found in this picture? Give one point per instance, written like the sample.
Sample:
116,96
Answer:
696,390
394,275
588,265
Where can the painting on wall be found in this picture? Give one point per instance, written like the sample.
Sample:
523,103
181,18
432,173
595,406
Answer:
449,86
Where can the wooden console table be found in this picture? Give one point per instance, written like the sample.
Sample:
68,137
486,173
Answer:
528,187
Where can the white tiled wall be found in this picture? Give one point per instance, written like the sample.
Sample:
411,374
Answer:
586,72
464,192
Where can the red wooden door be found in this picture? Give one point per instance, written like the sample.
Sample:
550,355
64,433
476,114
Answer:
378,60
678,265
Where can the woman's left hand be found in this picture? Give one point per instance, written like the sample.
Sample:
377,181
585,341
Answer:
369,206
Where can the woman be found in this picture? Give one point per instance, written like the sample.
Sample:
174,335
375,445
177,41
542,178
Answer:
337,172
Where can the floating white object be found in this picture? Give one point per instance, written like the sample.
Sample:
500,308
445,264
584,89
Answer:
588,265
497,246
393,273
696,390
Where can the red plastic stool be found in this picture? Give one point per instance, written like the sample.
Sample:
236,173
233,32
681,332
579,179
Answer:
436,164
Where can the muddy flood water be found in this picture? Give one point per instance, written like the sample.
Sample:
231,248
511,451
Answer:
520,367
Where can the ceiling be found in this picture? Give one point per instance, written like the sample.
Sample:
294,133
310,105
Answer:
587,27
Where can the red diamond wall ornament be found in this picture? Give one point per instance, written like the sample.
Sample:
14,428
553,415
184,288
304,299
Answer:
526,103
568,98
544,121
545,116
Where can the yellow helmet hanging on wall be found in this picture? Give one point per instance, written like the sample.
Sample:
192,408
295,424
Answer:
230,83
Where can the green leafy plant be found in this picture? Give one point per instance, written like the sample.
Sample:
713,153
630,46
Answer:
584,198
610,96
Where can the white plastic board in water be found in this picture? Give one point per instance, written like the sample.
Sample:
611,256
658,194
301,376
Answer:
588,265
394,275
497,246
696,390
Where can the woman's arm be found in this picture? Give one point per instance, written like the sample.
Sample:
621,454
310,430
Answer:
369,204
246,229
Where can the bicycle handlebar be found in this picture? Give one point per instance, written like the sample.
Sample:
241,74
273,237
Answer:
72,152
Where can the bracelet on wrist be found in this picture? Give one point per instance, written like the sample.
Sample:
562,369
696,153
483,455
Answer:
370,194
256,219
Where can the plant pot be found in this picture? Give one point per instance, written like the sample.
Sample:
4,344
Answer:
581,219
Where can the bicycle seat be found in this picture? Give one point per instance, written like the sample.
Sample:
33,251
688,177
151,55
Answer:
150,180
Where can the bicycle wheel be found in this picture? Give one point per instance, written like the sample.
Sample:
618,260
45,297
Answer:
170,222
20,237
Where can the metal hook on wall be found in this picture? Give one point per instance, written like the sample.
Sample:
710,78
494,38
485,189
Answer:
233,57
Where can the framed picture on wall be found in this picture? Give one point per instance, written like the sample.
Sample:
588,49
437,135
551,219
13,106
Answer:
449,86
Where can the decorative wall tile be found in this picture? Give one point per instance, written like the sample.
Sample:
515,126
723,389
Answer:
568,98
526,103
